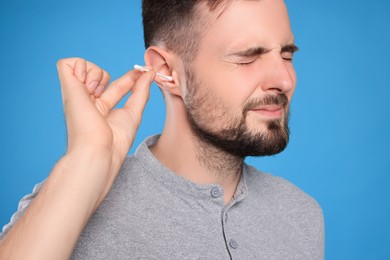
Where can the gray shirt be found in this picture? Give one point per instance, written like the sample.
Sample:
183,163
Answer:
152,213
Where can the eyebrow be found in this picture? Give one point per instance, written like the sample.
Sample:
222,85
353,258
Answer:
290,48
255,51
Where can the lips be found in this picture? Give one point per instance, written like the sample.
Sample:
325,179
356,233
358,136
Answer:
267,107
270,111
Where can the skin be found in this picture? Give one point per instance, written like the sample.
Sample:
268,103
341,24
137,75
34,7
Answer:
233,86
100,137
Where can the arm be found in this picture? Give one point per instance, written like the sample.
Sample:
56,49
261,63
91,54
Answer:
99,138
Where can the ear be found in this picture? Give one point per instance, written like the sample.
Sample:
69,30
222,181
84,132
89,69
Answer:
162,62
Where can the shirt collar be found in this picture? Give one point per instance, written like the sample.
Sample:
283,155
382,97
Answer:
171,180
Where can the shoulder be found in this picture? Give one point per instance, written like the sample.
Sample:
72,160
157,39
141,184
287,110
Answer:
128,179
286,212
281,193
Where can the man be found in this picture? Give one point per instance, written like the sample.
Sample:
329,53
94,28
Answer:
185,194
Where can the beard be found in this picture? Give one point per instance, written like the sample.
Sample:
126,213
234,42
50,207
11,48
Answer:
234,136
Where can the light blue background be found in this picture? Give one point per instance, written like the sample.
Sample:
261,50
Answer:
340,123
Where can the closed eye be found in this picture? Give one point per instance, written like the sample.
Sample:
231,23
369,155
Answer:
245,63
247,56
288,58
288,51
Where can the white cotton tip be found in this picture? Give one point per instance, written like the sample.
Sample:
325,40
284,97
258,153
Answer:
140,68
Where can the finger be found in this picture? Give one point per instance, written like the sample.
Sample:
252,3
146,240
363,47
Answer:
94,76
119,88
80,69
74,94
103,83
70,83
140,95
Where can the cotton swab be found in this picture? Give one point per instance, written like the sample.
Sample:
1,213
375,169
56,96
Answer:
140,68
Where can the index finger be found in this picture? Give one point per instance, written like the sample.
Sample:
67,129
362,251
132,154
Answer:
119,88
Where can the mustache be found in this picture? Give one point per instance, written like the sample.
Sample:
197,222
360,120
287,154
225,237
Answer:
278,100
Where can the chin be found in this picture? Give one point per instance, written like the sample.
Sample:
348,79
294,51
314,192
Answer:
264,126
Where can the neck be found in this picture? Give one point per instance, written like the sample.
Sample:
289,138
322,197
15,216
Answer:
180,150
218,163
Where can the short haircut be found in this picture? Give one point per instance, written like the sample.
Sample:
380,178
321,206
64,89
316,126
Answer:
176,24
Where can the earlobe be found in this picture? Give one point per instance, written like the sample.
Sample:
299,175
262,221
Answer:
161,61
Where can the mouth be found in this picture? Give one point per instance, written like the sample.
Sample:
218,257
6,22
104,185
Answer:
268,112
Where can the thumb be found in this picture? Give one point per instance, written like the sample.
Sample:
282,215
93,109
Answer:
140,95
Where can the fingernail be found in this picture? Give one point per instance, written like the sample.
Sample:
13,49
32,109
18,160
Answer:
99,90
92,85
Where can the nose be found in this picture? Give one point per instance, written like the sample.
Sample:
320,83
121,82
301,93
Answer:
279,75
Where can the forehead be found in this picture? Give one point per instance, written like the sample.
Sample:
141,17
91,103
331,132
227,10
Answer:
244,23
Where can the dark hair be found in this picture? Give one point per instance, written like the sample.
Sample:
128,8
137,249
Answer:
176,24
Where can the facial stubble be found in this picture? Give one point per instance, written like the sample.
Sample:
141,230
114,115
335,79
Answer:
234,136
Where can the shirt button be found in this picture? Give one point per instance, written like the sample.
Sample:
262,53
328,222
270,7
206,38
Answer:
233,244
215,192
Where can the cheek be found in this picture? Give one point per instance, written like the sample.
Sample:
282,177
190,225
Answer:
291,69
228,84
233,86
293,76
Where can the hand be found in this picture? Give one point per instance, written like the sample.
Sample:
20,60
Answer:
99,138
94,126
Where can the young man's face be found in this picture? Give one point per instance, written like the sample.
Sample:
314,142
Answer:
240,84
